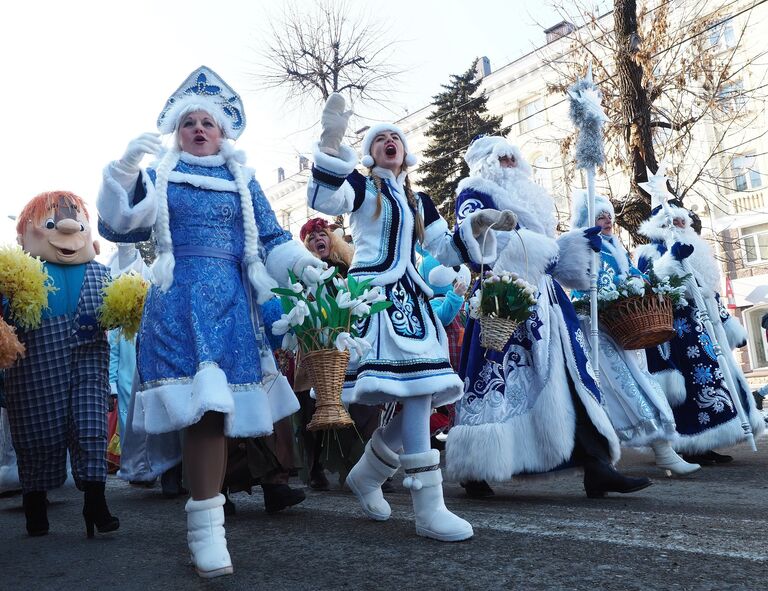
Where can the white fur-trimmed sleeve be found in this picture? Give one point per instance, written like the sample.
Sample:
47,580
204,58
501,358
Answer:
734,332
284,257
115,201
572,269
328,190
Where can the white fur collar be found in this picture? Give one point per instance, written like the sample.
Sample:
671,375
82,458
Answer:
616,248
505,200
386,174
202,182
212,160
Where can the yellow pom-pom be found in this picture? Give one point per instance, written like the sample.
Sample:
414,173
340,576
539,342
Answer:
123,304
26,284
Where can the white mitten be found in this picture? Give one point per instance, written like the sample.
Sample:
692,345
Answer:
500,220
334,122
146,143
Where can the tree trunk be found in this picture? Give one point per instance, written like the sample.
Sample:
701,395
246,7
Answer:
636,116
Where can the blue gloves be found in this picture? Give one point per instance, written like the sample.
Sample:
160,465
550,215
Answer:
681,251
593,237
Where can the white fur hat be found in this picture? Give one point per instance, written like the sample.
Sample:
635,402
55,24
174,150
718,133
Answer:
204,90
373,131
488,149
579,208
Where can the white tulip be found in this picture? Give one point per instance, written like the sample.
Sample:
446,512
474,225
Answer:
290,342
281,326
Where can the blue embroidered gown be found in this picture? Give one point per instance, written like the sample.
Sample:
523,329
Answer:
706,418
635,402
200,346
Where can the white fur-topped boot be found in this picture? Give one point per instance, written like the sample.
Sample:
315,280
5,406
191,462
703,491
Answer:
205,537
377,463
667,459
425,481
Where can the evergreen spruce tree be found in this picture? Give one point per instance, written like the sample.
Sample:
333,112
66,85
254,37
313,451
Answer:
460,116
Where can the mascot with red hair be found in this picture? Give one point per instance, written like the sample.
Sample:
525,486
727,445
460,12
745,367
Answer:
57,395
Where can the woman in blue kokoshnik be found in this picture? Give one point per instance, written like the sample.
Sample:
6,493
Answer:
204,364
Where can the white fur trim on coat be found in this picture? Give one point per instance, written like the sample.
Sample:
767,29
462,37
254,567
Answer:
735,332
341,165
114,202
572,268
481,249
283,258
672,383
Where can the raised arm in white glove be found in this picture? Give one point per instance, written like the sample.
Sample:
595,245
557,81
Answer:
146,143
334,122
500,220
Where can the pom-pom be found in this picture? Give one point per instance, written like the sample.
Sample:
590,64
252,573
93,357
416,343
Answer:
123,304
408,481
10,347
367,161
26,284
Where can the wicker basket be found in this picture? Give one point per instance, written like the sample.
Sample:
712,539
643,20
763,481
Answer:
326,372
495,332
639,322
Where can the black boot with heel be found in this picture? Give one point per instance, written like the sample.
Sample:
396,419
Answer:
36,512
95,510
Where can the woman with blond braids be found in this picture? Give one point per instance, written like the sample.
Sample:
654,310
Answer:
204,364
408,360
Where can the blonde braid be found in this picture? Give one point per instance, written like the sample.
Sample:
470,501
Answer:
413,201
162,268
258,275
377,181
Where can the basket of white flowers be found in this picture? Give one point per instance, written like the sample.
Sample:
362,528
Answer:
503,301
320,313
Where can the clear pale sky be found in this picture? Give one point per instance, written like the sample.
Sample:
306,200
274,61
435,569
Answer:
82,78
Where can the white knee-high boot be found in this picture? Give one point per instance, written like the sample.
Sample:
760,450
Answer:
366,477
667,459
205,537
425,481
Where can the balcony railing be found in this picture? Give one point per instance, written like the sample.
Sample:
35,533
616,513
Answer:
752,202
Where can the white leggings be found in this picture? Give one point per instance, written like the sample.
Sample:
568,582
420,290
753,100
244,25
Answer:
409,429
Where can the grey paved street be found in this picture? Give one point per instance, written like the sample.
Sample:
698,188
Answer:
704,532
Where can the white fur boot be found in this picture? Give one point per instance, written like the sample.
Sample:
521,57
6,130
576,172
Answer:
366,477
667,459
425,481
205,537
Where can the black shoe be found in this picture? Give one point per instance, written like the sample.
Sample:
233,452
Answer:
281,496
708,458
36,512
477,489
229,507
601,478
318,480
95,510
758,400
170,482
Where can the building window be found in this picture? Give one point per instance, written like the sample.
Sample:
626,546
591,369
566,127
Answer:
746,174
758,344
722,36
754,244
542,172
531,115
731,97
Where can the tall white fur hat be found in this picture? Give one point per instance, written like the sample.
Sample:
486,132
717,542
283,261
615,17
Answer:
373,131
488,149
579,208
204,90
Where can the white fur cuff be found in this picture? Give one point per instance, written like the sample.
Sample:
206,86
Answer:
482,249
284,257
340,165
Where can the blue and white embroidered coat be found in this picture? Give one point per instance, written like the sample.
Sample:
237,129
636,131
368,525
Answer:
409,355
635,402
517,413
704,410
200,347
